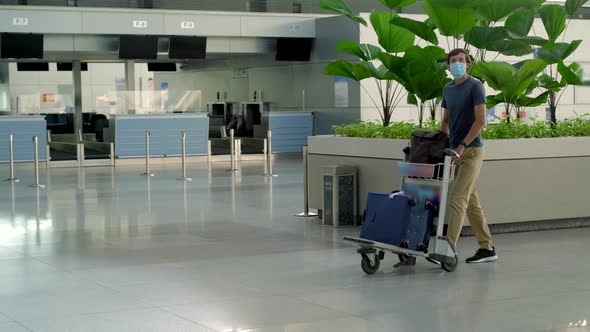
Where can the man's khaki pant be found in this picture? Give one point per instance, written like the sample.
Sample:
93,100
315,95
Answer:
463,199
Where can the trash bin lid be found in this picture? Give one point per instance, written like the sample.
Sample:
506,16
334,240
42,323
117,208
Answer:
339,169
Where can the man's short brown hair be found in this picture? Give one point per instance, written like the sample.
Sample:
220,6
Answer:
458,51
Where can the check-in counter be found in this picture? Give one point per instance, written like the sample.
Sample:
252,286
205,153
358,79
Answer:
290,130
23,129
128,132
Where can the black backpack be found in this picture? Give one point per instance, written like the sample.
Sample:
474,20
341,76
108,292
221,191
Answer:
427,147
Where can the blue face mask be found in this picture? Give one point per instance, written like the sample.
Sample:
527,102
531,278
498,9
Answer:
458,69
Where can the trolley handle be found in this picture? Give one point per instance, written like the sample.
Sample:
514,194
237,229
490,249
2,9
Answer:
452,153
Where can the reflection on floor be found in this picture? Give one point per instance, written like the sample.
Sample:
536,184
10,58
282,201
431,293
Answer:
109,250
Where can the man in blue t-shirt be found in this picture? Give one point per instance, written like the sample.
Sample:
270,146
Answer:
464,116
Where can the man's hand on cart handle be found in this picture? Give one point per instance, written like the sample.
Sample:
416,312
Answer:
460,149
453,153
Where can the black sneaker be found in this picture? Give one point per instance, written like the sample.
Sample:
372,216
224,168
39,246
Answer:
483,255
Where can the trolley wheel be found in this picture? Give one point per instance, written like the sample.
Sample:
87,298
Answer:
450,265
368,267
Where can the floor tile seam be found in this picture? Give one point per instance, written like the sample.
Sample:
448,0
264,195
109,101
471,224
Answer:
24,326
8,248
93,313
468,302
140,303
144,284
521,297
324,307
127,296
163,308
39,260
10,319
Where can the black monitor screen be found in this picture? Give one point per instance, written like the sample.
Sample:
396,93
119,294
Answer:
294,49
161,66
21,46
187,47
68,66
32,66
138,47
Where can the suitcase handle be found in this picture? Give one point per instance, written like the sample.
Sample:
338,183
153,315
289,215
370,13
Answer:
396,193
431,206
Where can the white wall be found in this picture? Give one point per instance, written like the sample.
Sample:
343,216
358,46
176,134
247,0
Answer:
574,99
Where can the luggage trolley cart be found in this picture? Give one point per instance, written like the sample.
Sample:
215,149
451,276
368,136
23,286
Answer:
440,250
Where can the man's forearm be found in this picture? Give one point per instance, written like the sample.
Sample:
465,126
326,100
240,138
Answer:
473,132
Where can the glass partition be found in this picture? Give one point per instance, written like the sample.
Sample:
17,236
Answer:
148,102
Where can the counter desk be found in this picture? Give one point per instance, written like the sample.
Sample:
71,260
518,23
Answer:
23,128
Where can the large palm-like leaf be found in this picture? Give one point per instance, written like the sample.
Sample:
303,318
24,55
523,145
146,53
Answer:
393,4
547,82
521,22
571,74
367,52
451,17
425,59
396,66
340,7
428,85
357,72
572,6
510,47
420,29
522,101
557,52
507,79
392,38
482,37
553,17
496,10
425,76
526,101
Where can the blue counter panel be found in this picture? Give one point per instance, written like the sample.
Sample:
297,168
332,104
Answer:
165,136
23,130
290,131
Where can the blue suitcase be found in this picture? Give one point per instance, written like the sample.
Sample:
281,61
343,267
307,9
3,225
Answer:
419,225
398,219
385,218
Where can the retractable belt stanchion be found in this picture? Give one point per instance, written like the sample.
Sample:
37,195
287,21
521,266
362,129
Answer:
183,147
36,160
305,212
147,154
232,152
269,151
11,158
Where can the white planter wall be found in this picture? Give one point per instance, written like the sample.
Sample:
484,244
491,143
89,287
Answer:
521,180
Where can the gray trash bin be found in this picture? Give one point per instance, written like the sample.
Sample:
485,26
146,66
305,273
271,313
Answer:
339,192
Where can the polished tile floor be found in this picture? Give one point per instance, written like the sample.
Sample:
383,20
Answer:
109,250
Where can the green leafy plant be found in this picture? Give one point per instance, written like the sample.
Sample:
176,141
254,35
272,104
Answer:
558,75
514,82
421,70
371,129
392,40
579,126
473,22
